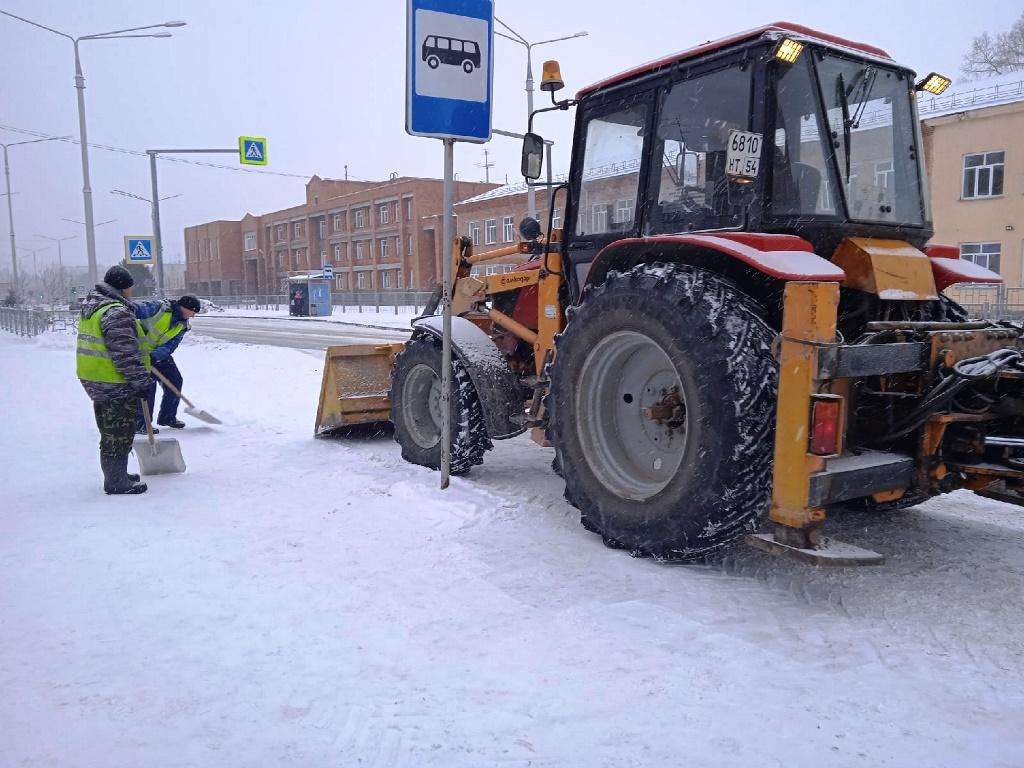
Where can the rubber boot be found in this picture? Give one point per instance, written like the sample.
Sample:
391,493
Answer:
116,480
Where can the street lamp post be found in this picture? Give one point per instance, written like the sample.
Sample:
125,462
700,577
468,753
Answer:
515,37
117,34
154,203
10,207
60,254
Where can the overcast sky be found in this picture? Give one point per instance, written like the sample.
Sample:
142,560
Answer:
325,82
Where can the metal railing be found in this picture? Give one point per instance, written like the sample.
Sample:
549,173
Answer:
25,322
342,301
989,302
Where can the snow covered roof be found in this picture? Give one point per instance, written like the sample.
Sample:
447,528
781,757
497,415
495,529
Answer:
602,172
975,94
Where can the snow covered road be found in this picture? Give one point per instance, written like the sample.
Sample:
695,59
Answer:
299,602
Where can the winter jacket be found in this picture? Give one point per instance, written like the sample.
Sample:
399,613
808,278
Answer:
119,336
147,309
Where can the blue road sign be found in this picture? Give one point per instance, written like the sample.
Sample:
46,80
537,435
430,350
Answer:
328,271
139,249
449,69
252,150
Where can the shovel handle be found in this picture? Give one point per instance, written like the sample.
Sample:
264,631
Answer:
167,383
149,423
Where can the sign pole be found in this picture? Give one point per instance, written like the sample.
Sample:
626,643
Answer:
159,255
446,303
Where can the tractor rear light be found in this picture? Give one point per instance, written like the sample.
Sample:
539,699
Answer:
826,413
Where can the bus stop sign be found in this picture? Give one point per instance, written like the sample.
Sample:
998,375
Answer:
449,72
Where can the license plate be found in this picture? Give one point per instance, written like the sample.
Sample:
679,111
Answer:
743,157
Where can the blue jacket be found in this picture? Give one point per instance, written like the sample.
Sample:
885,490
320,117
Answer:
145,309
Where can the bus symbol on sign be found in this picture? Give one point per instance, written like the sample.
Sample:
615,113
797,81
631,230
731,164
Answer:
439,50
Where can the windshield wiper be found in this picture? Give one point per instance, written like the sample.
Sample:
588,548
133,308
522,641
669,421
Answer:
844,105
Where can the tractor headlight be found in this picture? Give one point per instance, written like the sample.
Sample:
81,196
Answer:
935,84
789,50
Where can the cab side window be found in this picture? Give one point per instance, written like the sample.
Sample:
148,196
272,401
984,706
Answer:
611,170
694,186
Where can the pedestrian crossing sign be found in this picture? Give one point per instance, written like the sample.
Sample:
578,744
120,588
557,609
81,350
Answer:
252,150
139,249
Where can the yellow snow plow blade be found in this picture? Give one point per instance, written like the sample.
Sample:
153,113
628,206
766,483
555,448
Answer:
355,386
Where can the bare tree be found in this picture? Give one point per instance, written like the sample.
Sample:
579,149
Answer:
996,54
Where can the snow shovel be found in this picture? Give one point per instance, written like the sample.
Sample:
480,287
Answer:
157,456
190,409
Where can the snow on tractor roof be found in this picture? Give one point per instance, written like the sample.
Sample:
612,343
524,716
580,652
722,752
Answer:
781,27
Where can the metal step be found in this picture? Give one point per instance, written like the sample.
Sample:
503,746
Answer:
855,476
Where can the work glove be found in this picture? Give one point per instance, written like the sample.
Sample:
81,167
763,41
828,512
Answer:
159,356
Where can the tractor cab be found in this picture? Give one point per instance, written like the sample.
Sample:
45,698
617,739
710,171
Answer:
778,130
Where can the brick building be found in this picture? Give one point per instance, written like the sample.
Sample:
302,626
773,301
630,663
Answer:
376,235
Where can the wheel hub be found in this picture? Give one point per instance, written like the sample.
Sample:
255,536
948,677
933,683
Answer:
631,415
421,405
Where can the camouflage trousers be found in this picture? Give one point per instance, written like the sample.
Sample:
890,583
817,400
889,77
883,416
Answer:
116,422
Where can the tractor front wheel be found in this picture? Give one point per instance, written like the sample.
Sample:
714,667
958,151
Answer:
662,408
416,408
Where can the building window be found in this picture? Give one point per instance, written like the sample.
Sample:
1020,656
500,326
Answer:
884,175
280,233
474,232
508,230
599,217
360,280
385,278
360,254
408,209
323,256
409,246
250,241
983,254
337,253
624,212
492,269
296,230
490,231
983,175
383,248
360,218
556,219
336,222
385,214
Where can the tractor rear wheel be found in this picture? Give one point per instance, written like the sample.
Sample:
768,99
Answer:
662,410
416,409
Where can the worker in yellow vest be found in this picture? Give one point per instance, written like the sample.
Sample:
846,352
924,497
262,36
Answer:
113,366
166,323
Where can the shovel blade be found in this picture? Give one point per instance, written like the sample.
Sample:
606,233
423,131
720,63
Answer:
197,413
163,457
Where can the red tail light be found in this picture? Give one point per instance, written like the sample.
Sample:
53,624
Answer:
826,412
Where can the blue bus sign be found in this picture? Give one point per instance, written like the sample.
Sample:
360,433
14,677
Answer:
449,69
139,249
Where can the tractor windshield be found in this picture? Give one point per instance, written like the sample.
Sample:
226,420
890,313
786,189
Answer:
868,108
869,123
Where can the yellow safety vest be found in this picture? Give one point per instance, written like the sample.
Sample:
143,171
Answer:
93,362
158,328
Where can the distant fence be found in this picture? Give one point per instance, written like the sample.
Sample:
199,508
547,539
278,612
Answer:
360,301
990,302
25,322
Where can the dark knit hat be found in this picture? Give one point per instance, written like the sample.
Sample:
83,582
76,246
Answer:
119,277
190,302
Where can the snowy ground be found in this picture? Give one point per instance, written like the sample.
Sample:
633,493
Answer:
291,601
